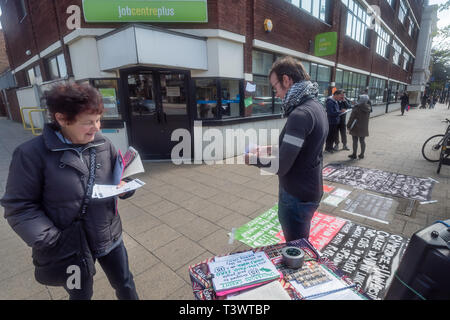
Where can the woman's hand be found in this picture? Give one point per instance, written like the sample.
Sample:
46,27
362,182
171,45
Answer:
121,184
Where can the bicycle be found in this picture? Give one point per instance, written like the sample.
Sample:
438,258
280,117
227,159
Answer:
434,148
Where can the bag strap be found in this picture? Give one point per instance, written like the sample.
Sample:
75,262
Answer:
91,180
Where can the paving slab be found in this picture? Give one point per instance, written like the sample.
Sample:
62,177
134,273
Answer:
183,214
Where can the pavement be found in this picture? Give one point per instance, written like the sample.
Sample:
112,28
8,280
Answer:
184,213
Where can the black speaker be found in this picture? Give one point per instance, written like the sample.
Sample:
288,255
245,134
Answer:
424,271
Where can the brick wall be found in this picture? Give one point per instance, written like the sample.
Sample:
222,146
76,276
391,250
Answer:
293,28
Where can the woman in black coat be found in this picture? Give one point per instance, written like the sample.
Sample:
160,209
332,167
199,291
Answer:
46,189
358,126
404,101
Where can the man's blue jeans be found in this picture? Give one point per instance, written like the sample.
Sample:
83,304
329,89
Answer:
294,215
115,265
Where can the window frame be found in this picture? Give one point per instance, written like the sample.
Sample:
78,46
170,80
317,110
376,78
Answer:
402,11
47,66
383,41
322,15
397,53
37,79
357,28
219,116
21,10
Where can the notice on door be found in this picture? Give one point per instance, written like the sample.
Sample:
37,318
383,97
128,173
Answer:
173,91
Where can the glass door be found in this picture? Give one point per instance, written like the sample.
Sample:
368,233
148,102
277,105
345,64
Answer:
158,105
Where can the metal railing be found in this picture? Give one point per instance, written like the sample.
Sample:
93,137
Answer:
34,130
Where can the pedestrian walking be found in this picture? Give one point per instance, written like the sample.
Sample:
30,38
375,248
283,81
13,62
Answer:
344,105
433,102
358,126
424,101
48,197
404,102
300,147
333,115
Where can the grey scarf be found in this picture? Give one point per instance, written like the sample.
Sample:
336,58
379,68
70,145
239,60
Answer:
298,94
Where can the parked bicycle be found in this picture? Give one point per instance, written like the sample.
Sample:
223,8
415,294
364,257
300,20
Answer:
435,149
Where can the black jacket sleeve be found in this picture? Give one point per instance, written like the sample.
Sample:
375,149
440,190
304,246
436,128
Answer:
298,126
22,201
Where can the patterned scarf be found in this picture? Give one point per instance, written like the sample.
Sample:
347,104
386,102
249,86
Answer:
298,94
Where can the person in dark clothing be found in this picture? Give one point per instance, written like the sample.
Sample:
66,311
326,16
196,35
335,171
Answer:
344,105
46,190
300,148
333,114
358,126
424,101
404,102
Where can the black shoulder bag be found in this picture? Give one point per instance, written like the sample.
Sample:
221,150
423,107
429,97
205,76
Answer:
53,266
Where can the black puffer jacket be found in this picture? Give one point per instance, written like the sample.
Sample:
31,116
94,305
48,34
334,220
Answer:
45,188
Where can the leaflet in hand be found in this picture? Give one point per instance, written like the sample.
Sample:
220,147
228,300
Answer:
127,165
101,191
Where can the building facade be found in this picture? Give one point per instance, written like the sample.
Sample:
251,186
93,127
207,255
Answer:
159,72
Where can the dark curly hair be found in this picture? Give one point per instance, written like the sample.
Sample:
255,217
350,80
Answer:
291,67
72,99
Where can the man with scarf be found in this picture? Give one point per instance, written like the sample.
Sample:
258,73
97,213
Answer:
300,147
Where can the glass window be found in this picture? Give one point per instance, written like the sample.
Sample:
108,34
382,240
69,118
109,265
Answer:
21,9
397,51
57,67
108,88
262,101
53,68
410,26
402,11
62,66
383,40
206,97
173,93
313,71
306,5
405,60
230,98
356,21
307,66
262,62
376,90
141,93
317,8
323,80
339,74
31,78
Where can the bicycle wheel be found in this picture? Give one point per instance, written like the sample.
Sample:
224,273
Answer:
431,149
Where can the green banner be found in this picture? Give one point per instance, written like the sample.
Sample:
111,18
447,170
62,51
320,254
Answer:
264,230
325,44
145,11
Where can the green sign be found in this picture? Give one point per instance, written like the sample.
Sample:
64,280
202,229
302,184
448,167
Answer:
145,11
264,230
325,44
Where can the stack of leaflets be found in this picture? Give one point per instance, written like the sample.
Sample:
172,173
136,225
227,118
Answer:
241,271
125,166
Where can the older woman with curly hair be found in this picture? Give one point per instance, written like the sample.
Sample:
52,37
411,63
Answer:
48,197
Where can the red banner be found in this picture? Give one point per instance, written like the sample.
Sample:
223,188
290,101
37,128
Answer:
323,229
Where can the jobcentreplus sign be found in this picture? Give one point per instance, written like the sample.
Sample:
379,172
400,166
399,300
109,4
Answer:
227,309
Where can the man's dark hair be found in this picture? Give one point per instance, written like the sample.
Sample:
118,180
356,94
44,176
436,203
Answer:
71,99
291,67
337,92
